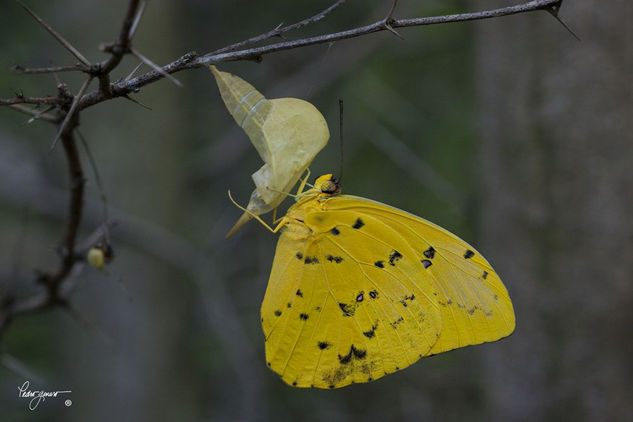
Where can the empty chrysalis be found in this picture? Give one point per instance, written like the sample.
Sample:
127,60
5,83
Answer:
286,132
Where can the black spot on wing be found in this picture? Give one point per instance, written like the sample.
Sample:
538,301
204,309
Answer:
429,253
345,358
359,297
372,332
337,259
358,353
395,323
299,255
311,260
373,294
485,275
358,224
426,263
303,316
299,293
353,353
469,254
394,256
277,312
405,298
348,310
335,231
288,305
324,345
380,264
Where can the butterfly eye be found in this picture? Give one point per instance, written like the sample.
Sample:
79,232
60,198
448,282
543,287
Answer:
331,186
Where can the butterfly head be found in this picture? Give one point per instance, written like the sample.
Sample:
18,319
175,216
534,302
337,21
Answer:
327,184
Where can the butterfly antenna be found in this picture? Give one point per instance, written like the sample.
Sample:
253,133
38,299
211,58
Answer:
340,111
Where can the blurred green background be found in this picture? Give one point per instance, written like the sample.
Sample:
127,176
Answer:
508,132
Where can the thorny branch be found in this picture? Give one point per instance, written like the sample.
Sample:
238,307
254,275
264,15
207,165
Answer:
68,108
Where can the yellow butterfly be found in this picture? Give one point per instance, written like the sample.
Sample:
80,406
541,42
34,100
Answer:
286,132
359,290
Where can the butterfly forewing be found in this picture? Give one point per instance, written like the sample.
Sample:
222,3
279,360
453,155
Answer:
474,302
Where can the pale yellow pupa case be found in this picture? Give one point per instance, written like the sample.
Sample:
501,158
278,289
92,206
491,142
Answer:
286,132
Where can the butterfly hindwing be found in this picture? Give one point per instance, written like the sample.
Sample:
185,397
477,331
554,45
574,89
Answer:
364,310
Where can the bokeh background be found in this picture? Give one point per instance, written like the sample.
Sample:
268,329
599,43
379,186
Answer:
508,132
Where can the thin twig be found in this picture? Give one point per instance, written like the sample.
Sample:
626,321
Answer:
20,99
121,46
71,112
52,69
32,112
279,30
56,35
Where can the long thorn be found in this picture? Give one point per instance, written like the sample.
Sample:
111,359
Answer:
56,35
155,67
393,9
137,19
554,12
70,113
40,114
128,77
393,31
127,97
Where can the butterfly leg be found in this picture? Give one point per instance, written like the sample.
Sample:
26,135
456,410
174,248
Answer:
282,222
304,181
275,219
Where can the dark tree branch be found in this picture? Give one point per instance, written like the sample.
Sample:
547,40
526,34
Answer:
121,46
